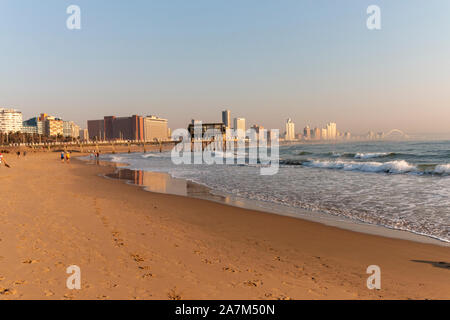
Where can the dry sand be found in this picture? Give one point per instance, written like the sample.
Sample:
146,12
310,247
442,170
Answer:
133,244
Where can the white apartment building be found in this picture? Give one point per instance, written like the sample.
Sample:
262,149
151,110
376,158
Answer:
331,131
290,130
155,128
10,120
70,129
239,124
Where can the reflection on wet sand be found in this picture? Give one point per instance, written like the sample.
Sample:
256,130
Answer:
164,183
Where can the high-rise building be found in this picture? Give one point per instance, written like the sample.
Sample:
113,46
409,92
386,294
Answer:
239,125
54,127
317,133
114,128
257,128
70,129
155,129
96,130
84,134
307,133
324,134
226,118
258,132
331,131
10,120
34,125
124,128
290,130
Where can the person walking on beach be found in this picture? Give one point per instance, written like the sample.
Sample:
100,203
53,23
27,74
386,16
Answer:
2,160
68,157
62,157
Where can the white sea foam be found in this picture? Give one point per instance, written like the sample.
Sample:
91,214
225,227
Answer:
371,155
400,166
116,159
442,169
413,196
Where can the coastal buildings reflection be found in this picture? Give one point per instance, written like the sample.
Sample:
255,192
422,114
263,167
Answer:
164,183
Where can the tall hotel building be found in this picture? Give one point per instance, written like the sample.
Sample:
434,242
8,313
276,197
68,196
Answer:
155,129
135,128
226,118
239,124
239,127
71,129
10,120
34,126
96,130
331,131
317,133
124,128
290,130
52,126
307,133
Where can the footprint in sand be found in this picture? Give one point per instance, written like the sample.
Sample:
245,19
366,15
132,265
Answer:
30,261
278,297
49,293
147,276
116,236
137,258
68,296
229,269
144,267
7,291
174,295
253,283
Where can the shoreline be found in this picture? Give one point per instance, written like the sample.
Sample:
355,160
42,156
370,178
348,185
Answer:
134,244
344,223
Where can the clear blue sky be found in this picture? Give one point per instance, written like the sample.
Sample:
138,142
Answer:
314,61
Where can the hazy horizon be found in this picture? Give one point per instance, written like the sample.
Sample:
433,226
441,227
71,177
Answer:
312,61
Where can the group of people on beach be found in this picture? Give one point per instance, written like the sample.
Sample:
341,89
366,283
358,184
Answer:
94,154
65,156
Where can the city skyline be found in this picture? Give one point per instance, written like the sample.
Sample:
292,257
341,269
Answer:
11,121
309,61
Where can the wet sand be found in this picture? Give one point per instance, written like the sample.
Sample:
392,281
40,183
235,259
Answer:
160,182
134,244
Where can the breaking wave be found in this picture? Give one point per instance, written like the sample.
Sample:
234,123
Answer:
373,155
393,167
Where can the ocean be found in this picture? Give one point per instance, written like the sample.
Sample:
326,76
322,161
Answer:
398,185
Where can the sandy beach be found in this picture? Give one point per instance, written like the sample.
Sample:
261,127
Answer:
134,244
